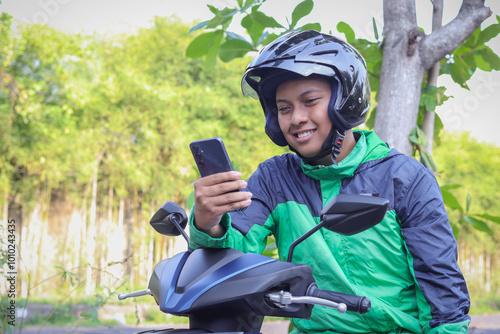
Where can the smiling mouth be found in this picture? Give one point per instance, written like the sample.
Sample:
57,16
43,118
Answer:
304,134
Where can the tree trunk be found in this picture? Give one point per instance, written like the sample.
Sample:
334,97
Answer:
5,208
91,231
129,230
401,75
408,54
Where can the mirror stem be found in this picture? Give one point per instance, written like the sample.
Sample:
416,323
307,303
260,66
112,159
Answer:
299,240
176,219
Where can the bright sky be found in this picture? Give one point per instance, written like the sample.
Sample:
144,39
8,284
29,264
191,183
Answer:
476,110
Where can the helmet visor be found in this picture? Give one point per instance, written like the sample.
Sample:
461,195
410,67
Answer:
254,76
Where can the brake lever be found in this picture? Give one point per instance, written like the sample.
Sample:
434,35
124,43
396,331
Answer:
284,298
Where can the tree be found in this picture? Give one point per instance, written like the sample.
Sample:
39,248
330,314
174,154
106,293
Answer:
408,54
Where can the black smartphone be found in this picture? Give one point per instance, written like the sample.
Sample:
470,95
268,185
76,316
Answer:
210,156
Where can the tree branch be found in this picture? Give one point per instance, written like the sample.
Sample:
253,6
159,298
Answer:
428,122
446,39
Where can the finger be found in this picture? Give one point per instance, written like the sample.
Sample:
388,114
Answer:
225,187
204,187
230,198
238,201
219,178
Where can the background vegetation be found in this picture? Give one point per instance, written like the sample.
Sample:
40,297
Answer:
94,136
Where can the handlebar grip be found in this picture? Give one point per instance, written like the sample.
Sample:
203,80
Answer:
359,304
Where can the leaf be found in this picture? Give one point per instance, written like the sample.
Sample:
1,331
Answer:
460,72
346,29
428,98
201,25
456,230
413,137
471,42
301,10
480,62
213,9
451,186
478,224
311,26
468,203
254,28
438,126
234,48
432,96
211,58
222,17
450,200
375,29
491,58
265,20
201,45
249,2
494,219
488,33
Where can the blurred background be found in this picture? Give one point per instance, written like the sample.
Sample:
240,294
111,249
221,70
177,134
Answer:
97,109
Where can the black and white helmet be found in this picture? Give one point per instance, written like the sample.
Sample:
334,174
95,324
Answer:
307,54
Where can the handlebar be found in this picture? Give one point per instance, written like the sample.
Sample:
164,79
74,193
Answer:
359,304
139,293
284,298
341,301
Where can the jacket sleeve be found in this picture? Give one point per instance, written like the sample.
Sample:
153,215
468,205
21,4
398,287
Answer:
442,294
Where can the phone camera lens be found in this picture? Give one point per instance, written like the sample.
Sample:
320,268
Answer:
195,148
201,164
197,156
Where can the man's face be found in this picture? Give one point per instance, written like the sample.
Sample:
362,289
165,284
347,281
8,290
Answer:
303,113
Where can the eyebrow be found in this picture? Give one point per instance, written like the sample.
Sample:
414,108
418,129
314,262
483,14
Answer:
301,95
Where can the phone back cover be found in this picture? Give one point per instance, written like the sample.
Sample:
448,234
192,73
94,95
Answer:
211,156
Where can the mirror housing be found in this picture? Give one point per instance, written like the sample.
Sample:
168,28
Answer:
169,220
350,214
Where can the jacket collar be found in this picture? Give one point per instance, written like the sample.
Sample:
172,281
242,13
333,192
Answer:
369,150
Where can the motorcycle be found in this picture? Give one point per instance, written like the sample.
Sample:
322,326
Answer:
228,291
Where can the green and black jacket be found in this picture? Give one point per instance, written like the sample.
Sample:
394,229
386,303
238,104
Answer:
406,265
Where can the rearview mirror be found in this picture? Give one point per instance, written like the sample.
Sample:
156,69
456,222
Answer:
347,215
350,214
170,220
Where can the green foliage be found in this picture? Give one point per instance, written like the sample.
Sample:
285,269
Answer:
419,140
473,54
262,29
432,97
470,183
485,304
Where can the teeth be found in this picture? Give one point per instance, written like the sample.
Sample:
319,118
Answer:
303,134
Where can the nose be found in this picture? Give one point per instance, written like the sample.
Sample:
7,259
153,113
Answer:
299,115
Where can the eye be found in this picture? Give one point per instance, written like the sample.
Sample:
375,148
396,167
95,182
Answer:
283,110
312,100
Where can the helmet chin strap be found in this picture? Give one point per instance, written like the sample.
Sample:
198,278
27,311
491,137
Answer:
331,146
338,140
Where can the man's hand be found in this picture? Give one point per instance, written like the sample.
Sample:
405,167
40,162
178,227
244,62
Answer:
215,195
